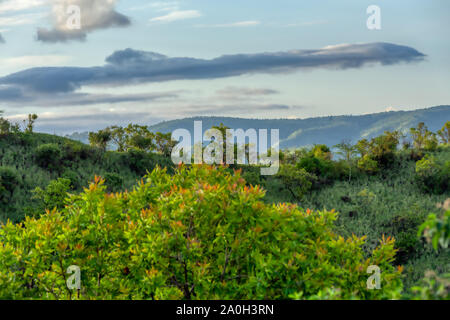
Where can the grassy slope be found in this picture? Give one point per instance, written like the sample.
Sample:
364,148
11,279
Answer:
389,204
80,162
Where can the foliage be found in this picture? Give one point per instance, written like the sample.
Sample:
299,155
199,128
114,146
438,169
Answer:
348,151
100,139
54,195
297,180
432,287
433,175
114,182
444,133
423,139
29,125
8,183
48,155
437,231
199,234
368,165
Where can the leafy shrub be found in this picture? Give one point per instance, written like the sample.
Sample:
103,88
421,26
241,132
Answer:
48,155
139,161
368,165
114,182
200,234
8,183
424,139
297,180
54,195
437,231
403,227
73,177
432,287
432,175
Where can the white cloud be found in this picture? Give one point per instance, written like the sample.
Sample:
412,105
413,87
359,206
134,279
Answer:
34,61
20,19
177,15
96,15
158,6
19,5
250,23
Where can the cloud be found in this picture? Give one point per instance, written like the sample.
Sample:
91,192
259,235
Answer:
19,5
232,25
238,93
20,19
17,96
90,120
33,61
2,40
95,15
177,15
128,67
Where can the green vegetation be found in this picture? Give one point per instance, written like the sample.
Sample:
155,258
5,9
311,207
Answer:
200,232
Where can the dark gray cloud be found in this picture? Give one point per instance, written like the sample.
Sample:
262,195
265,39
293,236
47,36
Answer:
16,96
239,92
2,40
95,15
130,67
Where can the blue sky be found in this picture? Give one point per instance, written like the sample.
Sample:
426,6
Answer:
200,83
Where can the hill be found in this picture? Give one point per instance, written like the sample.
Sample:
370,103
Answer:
30,161
331,130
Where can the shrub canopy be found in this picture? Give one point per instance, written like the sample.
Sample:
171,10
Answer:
199,234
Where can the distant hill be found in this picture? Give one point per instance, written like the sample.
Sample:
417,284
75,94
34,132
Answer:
323,130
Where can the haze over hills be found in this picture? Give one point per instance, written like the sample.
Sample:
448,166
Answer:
331,130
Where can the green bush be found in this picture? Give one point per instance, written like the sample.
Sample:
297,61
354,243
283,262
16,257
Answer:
48,155
8,183
368,165
54,195
114,182
432,175
199,234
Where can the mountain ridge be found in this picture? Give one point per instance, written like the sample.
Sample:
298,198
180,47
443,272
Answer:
329,130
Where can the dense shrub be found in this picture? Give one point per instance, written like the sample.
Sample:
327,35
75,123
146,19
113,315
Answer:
114,182
297,180
200,234
368,165
48,155
432,175
8,183
54,195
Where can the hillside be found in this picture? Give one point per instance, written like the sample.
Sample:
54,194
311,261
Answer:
29,161
386,193
324,130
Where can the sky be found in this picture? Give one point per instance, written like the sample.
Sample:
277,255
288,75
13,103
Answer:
148,61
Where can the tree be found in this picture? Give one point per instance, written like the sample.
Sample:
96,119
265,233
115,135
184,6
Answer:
348,151
363,147
100,139
139,137
164,143
29,126
297,180
444,133
119,137
423,139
